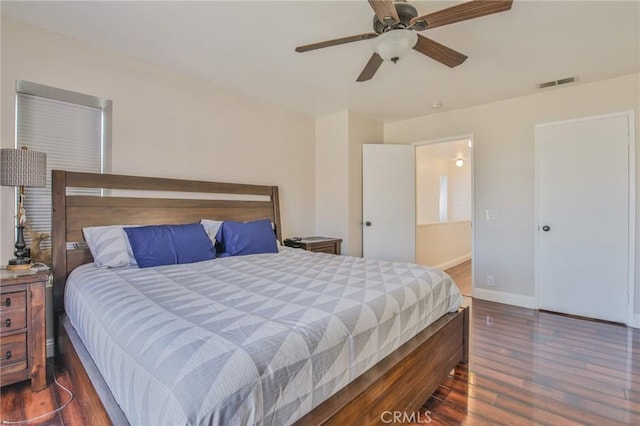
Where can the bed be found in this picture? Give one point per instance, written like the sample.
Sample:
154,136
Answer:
385,377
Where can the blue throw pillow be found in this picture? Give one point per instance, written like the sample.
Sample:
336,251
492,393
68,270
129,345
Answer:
170,244
240,238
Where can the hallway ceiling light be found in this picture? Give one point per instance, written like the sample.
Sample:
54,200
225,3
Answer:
459,160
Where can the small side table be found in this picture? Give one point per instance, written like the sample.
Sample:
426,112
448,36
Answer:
22,328
316,244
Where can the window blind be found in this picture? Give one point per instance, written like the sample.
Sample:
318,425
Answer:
70,135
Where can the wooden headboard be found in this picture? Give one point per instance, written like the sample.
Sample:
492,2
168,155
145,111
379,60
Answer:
71,213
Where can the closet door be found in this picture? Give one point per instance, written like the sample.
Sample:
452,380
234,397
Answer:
583,211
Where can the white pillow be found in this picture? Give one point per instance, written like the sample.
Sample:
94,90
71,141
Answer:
273,226
109,246
211,228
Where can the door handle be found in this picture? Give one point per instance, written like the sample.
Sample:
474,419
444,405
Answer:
546,228
367,223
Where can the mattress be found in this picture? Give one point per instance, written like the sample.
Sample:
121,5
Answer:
259,339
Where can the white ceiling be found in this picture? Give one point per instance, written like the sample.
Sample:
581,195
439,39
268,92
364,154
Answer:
248,47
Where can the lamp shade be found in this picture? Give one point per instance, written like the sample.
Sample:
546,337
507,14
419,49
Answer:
22,167
395,44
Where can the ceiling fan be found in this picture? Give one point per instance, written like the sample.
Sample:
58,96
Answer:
395,25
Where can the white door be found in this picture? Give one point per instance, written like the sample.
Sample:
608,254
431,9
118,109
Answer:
388,202
583,217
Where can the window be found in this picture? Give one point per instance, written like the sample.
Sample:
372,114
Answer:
69,128
443,202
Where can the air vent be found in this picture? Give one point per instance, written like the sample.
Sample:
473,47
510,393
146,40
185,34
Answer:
557,82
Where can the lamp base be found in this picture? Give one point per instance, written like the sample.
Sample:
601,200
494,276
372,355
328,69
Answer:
18,267
22,259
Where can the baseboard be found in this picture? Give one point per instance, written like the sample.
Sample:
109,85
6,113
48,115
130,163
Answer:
453,262
524,301
50,345
506,298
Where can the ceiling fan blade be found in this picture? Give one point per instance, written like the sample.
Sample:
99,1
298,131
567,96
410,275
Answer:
462,12
439,52
336,42
385,11
370,69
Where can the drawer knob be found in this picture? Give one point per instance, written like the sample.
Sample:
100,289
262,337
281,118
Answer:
7,323
7,355
7,302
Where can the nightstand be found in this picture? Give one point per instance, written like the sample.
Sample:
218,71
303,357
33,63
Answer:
22,328
317,244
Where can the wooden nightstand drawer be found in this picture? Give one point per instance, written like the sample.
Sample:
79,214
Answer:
316,244
325,248
13,300
13,353
13,315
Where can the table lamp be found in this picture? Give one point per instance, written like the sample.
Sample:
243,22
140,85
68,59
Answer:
22,167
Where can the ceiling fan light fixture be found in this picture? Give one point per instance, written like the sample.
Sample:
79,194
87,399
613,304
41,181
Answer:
395,44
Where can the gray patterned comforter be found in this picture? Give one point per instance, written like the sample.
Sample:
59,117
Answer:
258,339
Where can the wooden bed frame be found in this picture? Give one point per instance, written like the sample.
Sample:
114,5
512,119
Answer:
402,381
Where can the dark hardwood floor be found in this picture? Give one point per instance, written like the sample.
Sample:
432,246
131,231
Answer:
526,368
18,402
530,367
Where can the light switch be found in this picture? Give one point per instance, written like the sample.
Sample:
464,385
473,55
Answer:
491,214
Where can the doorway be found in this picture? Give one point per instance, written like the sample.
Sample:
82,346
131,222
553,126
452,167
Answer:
444,206
585,183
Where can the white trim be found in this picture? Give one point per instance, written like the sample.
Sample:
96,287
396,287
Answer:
453,262
630,114
529,302
631,318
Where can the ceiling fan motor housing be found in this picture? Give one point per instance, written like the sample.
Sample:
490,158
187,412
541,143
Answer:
406,12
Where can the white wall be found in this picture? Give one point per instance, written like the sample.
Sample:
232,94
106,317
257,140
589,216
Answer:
361,131
504,168
443,245
428,173
332,175
339,139
165,124
459,191
430,166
